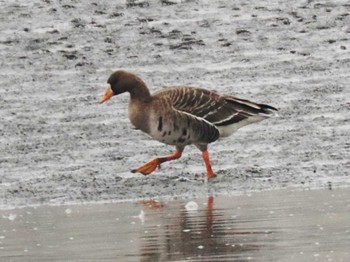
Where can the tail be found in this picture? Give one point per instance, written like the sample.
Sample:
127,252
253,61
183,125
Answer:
243,112
252,108
268,110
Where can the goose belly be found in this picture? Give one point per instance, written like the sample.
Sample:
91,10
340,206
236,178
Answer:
169,132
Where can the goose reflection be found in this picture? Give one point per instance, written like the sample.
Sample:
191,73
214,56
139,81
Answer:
180,234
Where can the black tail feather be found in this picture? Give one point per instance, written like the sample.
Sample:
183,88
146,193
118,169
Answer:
266,109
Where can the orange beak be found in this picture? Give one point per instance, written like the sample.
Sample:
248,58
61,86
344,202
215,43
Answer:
107,95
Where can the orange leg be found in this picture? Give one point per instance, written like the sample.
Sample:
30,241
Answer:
210,173
149,167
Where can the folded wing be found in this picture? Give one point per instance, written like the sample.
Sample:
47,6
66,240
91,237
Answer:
227,113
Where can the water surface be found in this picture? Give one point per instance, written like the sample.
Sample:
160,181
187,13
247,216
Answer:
267,226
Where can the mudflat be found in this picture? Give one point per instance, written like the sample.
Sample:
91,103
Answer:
58,146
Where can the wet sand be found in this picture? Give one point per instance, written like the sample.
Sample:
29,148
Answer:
59,146
280,225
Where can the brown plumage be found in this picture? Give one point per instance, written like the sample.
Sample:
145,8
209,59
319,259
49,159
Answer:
183,115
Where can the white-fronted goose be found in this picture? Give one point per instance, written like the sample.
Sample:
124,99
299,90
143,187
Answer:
183,115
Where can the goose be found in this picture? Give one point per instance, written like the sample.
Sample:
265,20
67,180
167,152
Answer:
183,115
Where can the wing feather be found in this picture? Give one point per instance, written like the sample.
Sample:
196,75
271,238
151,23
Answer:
215,108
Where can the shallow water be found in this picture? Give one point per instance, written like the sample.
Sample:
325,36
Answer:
267,226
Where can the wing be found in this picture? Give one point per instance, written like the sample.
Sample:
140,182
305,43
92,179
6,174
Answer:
199,130
176,127
217,109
